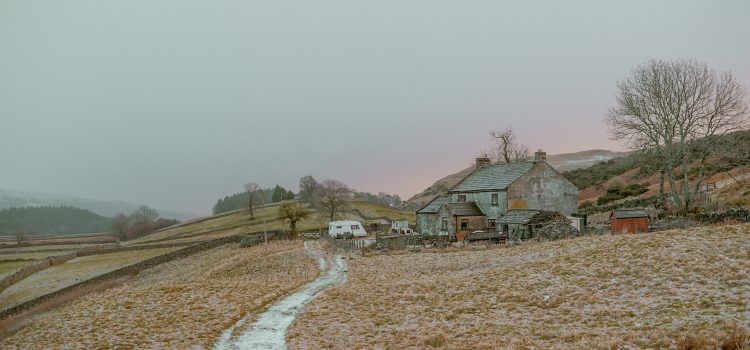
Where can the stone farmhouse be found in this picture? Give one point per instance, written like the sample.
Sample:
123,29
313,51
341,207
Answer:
483,197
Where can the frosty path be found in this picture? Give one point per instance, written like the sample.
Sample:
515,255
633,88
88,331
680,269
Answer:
269,331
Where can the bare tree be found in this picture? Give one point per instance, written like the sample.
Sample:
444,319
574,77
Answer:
507,148
144,215
677,110
332,198
120,225
254,196
293,212
307,186
20,237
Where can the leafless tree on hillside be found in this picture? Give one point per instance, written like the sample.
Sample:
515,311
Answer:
507,147
677,110
307,186
20,237
254,196
144,215
120,225
332,198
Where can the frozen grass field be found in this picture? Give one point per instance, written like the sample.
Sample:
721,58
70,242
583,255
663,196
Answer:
182,304
672,289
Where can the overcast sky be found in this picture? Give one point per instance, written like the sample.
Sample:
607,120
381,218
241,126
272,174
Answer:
176,103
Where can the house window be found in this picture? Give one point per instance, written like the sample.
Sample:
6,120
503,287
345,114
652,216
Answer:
505,228
491,224
494,199
444,225
464,224
462,198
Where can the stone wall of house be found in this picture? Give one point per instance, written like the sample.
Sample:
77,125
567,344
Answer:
543,188
427,223
444,213
484,202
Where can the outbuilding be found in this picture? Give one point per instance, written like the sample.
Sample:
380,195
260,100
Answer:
629,220
522,224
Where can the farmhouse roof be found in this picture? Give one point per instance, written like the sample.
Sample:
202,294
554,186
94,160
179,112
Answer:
525,216
629,213
493,177
465,209
434,205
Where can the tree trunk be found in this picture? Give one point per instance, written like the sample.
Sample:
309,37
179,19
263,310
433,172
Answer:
661,182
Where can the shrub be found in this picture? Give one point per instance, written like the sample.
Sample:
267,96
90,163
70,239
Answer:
145,228
436,341
617,191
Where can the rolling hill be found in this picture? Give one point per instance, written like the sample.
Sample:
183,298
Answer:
12,198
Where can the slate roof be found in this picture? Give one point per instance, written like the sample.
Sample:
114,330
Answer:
526,216
493,177
518,216
629,213
434,206
465,209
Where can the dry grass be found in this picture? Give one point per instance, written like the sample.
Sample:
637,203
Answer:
71,272
682,290
33,248
183,304
376,210
33,255
239,222
8,268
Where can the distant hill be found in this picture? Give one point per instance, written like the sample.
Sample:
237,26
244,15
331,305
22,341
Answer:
584,159
51,220
11,198
561,162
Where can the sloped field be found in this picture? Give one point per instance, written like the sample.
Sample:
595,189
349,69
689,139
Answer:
664,290
72,272
182,304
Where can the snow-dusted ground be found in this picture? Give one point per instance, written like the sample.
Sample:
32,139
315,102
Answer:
269,331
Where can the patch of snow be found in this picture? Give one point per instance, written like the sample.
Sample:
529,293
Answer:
269,331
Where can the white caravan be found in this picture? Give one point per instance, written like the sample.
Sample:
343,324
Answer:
338,229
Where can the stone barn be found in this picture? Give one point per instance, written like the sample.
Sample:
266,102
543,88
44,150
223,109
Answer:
483,197
629,220
523,224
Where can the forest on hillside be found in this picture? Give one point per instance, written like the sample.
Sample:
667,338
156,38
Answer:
51,220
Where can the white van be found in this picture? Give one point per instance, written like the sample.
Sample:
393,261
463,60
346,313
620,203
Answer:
338,229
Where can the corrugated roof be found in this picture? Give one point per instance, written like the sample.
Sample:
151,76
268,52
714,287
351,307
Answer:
518,216
629,213
433,206
493,177
465,209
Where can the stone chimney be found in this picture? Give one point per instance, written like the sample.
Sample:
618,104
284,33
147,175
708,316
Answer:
482,162
540,156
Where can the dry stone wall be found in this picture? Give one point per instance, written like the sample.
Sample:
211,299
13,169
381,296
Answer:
124,271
